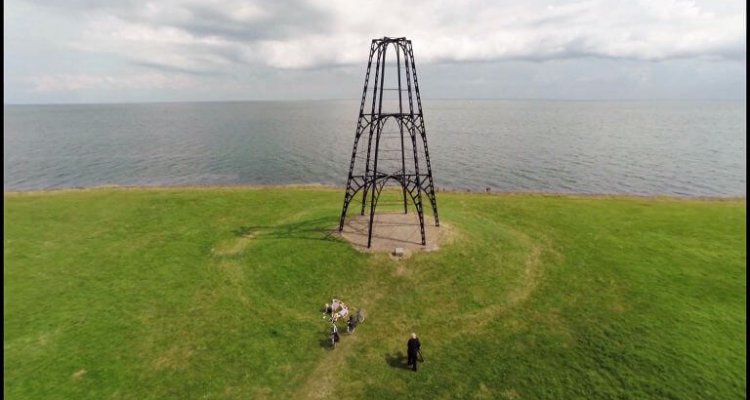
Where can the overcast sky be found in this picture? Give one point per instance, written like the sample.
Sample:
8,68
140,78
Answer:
61,51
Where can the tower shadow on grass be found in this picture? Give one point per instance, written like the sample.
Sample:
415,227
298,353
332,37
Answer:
396,360
311,229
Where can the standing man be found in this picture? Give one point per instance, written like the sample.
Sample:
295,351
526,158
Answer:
412,348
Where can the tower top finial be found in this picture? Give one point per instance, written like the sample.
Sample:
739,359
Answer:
387,39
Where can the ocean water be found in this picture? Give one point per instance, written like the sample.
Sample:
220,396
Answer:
631,147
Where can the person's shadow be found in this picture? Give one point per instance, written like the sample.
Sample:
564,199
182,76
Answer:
396,360
326,344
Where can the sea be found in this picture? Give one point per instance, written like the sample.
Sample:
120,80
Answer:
674,148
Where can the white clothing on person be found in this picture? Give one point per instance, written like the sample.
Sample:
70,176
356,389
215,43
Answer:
343,313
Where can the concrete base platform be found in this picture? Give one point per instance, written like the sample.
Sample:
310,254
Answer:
392,231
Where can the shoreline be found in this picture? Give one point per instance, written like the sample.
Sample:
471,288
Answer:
329,187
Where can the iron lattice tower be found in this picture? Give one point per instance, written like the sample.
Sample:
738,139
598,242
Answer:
387,146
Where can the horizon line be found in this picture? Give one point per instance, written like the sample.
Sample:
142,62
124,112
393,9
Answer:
358,99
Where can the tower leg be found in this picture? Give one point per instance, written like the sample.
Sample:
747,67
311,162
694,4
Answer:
350,190
373,193
418,187
373,121
401,128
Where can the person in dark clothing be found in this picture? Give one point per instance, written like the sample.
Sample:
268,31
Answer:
351,325
412,349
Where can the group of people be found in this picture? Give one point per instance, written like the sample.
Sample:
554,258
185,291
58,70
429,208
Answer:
337,309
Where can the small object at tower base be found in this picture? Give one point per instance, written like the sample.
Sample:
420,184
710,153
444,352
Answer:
398,252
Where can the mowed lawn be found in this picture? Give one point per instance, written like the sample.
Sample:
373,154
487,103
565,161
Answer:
215,294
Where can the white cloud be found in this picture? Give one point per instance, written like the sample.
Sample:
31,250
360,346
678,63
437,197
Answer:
79,82
164,45
283,48
204,36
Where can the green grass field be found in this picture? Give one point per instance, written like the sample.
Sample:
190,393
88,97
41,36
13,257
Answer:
215,294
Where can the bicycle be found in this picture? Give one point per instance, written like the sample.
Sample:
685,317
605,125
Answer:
334,334
355,320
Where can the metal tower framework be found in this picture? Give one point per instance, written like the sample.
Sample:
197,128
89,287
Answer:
414,181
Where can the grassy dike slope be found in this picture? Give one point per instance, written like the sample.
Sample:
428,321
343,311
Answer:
214,294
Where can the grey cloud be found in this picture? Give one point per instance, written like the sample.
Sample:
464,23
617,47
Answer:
304,34
284,19
169,68
265,44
